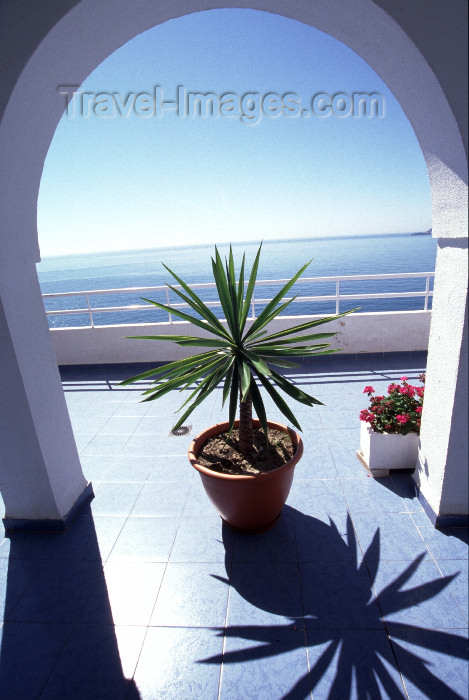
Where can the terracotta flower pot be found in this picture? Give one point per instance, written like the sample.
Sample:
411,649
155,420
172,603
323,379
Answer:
382,453
248,503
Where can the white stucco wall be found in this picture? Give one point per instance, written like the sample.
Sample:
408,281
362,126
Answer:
399,331
443,472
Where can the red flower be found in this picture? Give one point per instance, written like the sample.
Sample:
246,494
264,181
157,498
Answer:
418,409
404,378
368,390
366,416
401,419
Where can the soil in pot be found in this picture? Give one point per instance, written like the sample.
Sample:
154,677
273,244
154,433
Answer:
221,454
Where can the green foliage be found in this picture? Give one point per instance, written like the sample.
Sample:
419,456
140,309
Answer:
237,355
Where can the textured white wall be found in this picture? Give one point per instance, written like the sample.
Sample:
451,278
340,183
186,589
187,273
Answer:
358,333
443,467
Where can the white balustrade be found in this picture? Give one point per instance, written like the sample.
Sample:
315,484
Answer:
337,297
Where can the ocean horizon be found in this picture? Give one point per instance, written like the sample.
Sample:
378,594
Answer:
280,259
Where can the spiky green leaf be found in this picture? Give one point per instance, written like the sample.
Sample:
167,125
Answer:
278,401
202,308
257,362
165,369
259,322
249,291
241,292
303,326
259,406
293,391
245,378
187,317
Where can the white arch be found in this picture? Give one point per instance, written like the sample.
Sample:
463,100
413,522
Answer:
90,32
79,42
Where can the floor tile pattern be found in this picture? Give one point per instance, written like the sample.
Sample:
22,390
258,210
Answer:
353,594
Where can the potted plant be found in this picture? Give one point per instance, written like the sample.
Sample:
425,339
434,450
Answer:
390,429
248,489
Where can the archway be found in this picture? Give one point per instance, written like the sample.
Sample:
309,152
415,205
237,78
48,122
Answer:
73,46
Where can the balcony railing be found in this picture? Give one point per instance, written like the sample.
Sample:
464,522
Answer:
163,295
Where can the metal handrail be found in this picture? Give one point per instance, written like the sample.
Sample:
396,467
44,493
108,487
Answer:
337,297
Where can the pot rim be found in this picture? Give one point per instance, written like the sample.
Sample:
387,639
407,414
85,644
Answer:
218,428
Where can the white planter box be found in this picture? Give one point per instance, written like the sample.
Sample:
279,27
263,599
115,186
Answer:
382,452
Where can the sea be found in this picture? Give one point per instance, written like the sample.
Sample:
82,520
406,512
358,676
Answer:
280,259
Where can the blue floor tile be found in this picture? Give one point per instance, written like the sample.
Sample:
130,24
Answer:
124,594
98,661
162,499
265,594
432,662
316,463
90,538
141,445
202,539
192,595
446,543
58,593
275,545
22,545
15,576
372,496
407,490
115,498
29,652
353,664
388,536
198,503
105,445
338,595
323,538
172,664
416,594
459,586
171,468
265,663
317,496
120,425
145,539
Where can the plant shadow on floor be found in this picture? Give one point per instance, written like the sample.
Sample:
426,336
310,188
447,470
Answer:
353,648
46,650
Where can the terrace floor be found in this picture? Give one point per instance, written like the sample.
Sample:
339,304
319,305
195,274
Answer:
353,594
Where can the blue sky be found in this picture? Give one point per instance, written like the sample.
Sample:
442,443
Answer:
116,182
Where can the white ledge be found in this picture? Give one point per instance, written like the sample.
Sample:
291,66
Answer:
390,331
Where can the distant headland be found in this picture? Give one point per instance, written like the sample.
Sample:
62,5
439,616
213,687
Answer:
422,233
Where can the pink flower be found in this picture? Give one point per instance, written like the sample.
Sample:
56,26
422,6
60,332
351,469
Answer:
392,387
368,390
404,378
401,419
366,416
420,391
418,409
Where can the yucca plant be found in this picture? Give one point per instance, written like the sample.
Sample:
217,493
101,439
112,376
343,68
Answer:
239,353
